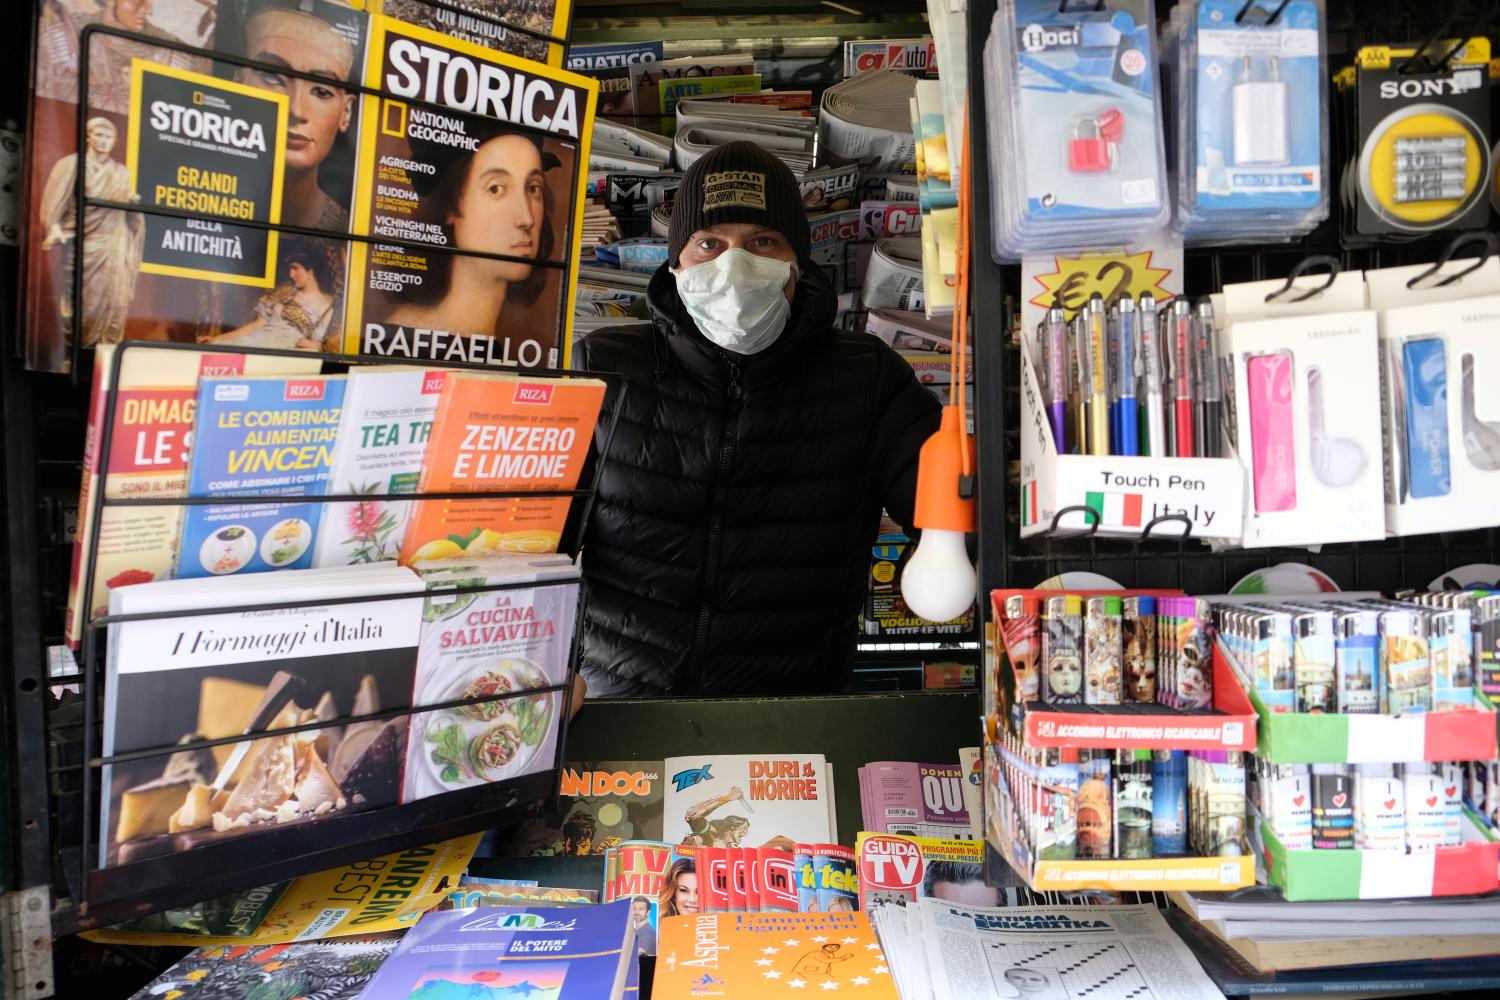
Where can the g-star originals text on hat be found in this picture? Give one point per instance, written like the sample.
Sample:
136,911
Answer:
741,188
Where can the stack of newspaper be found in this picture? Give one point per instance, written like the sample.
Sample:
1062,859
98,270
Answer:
778,123
937,949
910,330
865,120
620,148
599,226
608,297
893,279
1273,934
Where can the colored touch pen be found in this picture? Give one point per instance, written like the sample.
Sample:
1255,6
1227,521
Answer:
1096,376
1077,392
1181,361
1123,347
1151,372
1055,365
1206,379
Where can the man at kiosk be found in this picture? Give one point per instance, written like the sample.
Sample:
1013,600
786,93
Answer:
729,545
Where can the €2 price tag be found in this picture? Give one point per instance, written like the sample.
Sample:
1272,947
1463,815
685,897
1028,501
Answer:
1154,267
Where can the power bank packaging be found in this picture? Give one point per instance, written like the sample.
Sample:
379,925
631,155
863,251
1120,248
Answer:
1306,373
1440,364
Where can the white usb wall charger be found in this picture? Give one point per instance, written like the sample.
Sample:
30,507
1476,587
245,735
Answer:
1260,117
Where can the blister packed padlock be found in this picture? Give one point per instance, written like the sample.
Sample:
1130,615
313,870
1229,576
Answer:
1089,154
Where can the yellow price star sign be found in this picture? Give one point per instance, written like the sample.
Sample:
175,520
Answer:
1112,275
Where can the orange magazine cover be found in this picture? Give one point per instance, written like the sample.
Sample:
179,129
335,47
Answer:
768,955
495,434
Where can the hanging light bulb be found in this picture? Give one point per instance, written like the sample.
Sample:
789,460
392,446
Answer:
938,582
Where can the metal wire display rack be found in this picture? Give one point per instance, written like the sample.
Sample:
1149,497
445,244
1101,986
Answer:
59,811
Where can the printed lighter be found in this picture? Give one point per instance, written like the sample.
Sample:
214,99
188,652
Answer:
1273,462
1425,362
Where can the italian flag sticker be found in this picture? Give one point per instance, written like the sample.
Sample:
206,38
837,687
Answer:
1028,503
1123,509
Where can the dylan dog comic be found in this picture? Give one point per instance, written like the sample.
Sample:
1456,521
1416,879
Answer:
471,150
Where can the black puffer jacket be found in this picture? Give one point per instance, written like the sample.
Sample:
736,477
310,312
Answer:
730,540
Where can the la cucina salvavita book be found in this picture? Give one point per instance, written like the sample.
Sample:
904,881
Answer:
501,953
490,643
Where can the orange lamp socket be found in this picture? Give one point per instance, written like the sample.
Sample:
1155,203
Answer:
939,468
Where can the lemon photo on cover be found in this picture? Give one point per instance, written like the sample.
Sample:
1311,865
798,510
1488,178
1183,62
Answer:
488,542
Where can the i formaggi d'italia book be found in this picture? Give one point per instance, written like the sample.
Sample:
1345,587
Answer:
208,676
470,150
162,132
150,438
478,643
266,436
496,434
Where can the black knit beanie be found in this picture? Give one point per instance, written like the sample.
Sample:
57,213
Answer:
739,182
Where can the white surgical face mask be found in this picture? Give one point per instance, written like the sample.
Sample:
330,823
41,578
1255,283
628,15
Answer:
737,299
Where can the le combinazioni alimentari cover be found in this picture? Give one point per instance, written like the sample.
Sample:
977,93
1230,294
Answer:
267,436
161,132
538,953
206,676
472,150
490,643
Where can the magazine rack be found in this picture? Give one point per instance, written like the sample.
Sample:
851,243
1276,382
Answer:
256,858
102,895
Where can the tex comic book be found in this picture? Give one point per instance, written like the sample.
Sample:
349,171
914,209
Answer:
760,800
474,164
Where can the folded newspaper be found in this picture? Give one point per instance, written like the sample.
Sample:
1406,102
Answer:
937,949
866,121
894,277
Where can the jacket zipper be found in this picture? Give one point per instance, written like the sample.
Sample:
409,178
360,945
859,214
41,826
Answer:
716,519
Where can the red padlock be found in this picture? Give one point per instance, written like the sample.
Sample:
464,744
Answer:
1111,126
1088,154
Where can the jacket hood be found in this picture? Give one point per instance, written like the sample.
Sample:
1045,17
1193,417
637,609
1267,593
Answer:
814,307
